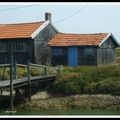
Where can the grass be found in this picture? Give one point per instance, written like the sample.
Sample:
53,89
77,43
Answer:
78,80
64,112
88,80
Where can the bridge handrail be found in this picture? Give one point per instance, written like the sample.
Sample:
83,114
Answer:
36,65
4,65
21,65
32,65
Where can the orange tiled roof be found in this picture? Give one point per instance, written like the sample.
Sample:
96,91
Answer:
20,30
62,39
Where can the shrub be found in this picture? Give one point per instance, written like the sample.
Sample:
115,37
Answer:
22,72
89,88
109,86
72,87
88,80
34,72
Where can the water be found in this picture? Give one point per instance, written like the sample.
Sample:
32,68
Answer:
61,112
21,111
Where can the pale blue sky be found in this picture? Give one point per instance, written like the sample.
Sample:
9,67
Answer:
94,18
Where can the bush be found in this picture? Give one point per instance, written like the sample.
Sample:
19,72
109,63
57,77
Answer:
34,72
88,80
5,75
72,87
110,86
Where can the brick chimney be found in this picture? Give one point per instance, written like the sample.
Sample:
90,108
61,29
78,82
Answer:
48,16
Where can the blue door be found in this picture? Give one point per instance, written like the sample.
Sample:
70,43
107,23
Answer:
72,56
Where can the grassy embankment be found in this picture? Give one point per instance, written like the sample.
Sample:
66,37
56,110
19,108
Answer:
84,80
89,79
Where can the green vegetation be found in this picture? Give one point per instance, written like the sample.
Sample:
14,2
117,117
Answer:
70,112
21,72
80,90
67,105
65,112
88,80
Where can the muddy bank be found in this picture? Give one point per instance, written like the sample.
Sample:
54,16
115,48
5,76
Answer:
45,101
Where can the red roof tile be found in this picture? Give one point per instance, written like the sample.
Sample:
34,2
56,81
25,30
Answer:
20,30
62,39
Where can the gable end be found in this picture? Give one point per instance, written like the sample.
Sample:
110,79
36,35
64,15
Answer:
110,35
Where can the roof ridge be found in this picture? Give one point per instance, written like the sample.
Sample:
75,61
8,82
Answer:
23,23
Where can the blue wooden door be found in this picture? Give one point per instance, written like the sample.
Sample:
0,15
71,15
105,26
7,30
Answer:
72,56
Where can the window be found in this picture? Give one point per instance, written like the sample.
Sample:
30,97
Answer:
19,47
89,51
3,47
89,56
57,51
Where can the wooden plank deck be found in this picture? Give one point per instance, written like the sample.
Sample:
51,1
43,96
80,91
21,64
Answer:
5,85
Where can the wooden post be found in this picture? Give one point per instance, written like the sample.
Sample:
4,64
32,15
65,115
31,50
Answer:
58,70
3,72
15,77
15,70
29,81
45,68
11,79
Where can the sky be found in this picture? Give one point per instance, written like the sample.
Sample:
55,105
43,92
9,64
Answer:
67,17
79,18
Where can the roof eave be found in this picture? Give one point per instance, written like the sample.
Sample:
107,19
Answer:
15,38
71,45
115,40
33,35
104,39
110,34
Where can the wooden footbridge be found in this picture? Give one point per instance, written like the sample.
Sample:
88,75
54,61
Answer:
16,83
22,82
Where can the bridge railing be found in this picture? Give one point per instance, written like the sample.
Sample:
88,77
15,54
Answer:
39,66
13,75
15,65
45,71
31,65
4,65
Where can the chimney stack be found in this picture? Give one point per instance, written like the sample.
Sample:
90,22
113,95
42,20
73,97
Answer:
48,16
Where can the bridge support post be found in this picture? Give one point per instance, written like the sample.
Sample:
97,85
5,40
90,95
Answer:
45,69
11,79
29,81
15,70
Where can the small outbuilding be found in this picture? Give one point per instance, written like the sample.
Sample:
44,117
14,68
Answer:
83,49
29,41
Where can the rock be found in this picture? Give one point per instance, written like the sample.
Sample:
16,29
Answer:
44,100
41,95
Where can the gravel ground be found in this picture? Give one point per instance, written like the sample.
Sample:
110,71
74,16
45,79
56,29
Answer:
44,100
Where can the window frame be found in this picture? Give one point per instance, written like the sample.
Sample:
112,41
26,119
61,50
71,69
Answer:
19,47
3,47
89,51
